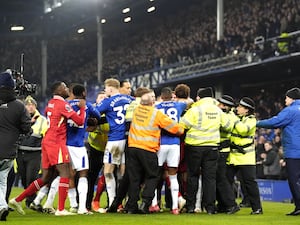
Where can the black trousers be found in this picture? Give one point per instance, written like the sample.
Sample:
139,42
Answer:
204,158
225,194
123,186
248,175
29,165
142,168
95,164
293,175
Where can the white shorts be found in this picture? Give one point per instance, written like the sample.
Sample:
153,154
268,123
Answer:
169,154
114,152
79,158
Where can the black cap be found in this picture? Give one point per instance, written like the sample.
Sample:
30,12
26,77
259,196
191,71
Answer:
227,100
293,93
205,92
6,79
247,102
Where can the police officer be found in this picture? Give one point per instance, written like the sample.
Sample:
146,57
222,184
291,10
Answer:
242,155
225,195
203,122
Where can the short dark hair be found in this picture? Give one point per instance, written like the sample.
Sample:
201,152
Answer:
55,86
182,91
122,82
78,90
141,91
166,93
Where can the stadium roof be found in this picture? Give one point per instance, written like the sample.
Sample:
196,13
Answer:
75,13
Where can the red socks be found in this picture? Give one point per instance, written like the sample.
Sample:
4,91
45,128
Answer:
63,188
31,189
100,188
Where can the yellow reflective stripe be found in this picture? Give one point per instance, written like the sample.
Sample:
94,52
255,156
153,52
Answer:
200,117
207,130
137,127
140,138
152,119
170,126
185,122
227,125
200,137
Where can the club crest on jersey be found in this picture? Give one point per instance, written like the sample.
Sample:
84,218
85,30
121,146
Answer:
68,108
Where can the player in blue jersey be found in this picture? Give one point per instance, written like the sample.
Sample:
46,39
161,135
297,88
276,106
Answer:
77,150
114,108
170,144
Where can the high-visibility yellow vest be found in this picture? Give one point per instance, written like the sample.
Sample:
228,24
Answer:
225,134
98,138
131,107
203,122
283,44
243,135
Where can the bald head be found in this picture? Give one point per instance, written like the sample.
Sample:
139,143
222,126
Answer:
146,99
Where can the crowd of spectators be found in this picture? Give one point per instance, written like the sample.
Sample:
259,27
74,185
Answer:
184,36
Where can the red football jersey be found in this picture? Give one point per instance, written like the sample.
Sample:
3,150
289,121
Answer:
57,113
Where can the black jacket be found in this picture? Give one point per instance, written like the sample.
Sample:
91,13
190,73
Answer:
14,120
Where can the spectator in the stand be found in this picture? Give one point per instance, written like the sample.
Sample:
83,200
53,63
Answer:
283,175
260,149
289,121
271,166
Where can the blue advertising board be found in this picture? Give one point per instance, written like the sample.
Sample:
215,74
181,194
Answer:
274,190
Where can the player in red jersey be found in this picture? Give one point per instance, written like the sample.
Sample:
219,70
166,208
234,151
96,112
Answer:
55,156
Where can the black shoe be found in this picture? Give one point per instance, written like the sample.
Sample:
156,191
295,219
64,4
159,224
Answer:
144,208
113,208
38,208
132,211
233,209
296,212
3,214
190,210
211,212
256,212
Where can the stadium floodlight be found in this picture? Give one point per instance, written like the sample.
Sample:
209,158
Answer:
126,10
103,21
80,31
151,0
127,19
151,9
17,28
50,5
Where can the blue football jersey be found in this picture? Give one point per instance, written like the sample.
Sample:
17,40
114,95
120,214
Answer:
173,110
114,109
75,133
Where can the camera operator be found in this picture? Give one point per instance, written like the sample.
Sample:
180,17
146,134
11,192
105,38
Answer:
14,120
29,151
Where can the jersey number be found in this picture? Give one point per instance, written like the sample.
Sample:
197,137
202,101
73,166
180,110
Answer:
120,113
171,112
